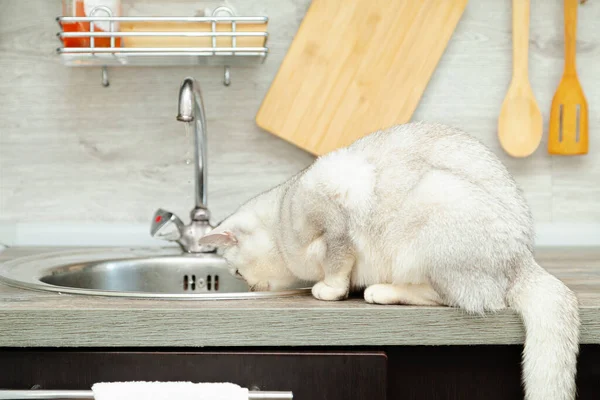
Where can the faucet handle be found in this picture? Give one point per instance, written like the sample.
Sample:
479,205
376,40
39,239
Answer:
166,225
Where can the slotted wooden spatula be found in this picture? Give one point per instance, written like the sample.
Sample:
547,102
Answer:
569,113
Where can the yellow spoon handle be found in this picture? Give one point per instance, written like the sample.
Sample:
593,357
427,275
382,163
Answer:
520,35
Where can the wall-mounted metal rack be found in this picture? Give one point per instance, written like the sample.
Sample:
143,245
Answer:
219,40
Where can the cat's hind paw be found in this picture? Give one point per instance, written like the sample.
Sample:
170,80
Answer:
418,295
381,294
323,291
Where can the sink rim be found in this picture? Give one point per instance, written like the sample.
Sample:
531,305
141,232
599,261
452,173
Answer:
26,273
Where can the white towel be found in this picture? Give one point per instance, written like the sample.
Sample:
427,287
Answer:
168,391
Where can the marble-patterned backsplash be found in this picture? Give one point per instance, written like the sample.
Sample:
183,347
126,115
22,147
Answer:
74,152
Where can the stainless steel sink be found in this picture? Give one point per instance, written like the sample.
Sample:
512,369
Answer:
193,272
135,273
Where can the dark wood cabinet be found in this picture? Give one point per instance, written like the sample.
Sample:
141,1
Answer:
491,372
309,375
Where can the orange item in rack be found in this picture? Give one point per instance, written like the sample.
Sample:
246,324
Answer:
80,8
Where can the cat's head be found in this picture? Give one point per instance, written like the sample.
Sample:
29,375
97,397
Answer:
246,241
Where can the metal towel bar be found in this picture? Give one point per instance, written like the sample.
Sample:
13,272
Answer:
87,394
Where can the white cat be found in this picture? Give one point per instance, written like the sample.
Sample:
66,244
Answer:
419,214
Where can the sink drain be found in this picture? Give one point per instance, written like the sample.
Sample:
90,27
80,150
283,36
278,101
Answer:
210,282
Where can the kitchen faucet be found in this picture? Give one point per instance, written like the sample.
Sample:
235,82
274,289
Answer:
165,224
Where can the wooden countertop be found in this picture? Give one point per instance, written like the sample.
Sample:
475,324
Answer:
44,319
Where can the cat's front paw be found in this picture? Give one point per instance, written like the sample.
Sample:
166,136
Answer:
323,291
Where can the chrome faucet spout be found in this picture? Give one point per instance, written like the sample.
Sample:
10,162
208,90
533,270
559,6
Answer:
166,225
191,110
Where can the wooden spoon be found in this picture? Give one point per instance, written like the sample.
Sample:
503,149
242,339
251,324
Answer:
520,125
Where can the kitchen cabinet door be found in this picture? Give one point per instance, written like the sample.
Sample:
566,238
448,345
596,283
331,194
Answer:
309,375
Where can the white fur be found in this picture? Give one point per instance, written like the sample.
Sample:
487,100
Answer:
418,214
420,295
348,178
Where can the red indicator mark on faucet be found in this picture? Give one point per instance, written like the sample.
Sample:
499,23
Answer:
158,218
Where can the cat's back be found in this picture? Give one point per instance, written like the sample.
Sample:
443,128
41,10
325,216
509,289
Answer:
405,153
442,162
397,184
427,143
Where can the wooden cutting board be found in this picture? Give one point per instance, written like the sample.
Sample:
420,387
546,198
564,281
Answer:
355,67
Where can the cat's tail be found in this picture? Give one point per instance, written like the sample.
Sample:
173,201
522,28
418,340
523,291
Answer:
550,313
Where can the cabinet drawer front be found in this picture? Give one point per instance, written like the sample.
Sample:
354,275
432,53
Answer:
309,375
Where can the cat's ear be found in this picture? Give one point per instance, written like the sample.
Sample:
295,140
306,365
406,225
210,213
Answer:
221,239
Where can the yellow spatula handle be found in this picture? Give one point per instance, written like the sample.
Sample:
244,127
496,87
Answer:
570,35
